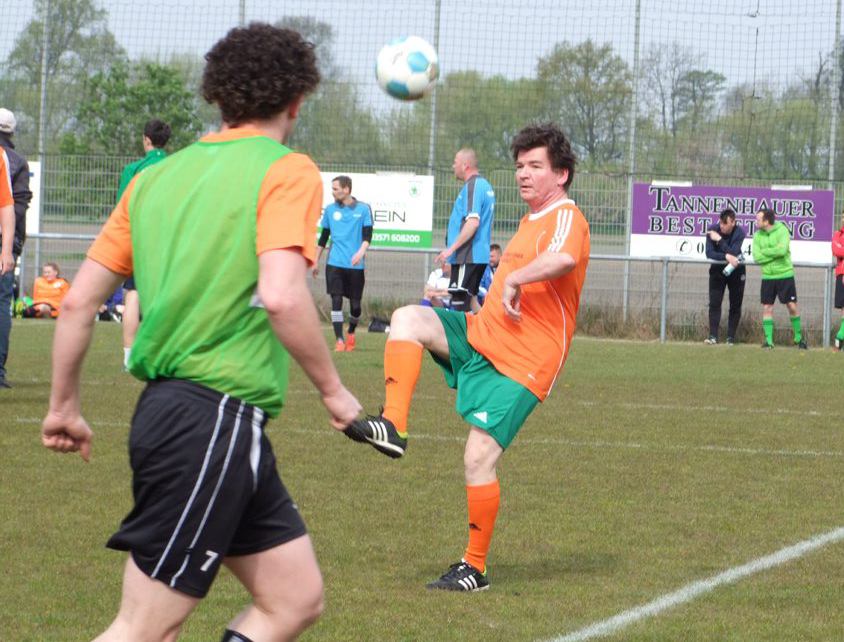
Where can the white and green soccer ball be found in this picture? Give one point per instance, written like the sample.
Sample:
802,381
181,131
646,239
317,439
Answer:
407,68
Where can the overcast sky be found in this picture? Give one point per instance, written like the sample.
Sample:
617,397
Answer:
773,40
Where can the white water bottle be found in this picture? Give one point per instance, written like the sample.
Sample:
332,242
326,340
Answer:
730,268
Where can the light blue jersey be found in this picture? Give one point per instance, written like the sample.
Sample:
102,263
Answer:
345,223
476,199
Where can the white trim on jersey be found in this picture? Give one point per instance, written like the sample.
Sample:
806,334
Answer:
564,219
560,203
195,491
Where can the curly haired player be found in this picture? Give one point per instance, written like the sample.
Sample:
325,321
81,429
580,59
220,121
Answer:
220,267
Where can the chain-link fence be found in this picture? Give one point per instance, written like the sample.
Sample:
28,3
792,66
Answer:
667,298
729,92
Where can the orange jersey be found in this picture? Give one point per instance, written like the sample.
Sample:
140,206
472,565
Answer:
5,181
50,292
532,351
292,185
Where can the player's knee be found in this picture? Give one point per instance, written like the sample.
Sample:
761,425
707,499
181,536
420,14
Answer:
300,610
402,318
312,608
478,466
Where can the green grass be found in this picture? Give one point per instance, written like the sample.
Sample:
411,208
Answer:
649,467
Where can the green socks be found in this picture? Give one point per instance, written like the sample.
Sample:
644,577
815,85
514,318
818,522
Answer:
768,326
840,334
798,334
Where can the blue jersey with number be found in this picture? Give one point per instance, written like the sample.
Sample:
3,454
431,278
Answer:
345,223
475,200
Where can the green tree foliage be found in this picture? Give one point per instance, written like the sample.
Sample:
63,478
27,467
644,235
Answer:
110,121
696,93
796,148
321,34
78,44
483,113
587,89
118,103
334,127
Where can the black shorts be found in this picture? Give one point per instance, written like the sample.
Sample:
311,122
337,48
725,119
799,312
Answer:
129,284
347,282
783,289
839,291
205,486
467,277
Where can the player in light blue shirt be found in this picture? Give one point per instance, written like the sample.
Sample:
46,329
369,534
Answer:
348,222
469,230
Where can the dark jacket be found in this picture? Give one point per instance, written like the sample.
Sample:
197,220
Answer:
730,244
19,173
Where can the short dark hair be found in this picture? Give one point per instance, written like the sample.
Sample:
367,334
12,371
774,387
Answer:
495,246
256,72
55,266
344,181
550,136
158,132
728,215
768,215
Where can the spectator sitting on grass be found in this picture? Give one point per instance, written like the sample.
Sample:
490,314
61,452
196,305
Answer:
48,292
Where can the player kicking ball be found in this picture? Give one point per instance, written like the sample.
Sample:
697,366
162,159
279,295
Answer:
505,359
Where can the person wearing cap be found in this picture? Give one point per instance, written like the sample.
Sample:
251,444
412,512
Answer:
17,180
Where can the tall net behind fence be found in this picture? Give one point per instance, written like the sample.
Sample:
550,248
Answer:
724,92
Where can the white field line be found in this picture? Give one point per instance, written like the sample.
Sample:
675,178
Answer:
729,409
527,441
695,589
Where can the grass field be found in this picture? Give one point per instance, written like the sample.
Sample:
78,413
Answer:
650,467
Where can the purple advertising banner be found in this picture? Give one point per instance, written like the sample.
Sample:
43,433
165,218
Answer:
672,220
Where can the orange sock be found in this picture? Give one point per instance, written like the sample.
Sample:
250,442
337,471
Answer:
402,363
483,509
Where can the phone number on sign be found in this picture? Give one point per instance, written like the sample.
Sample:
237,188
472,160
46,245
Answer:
397,238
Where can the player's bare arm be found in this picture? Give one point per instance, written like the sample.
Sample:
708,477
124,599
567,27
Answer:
315,266
358,256
285,295
466,233
64,429
544,267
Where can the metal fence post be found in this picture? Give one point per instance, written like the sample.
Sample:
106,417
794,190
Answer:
664,302
829,277
37,253
21,273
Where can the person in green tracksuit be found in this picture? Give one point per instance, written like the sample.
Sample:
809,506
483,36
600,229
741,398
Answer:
772,252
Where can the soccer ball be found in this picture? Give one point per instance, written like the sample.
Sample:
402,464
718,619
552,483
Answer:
407,68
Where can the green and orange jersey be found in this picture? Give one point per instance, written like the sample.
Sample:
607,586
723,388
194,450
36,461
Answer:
5,181
191,229
532,351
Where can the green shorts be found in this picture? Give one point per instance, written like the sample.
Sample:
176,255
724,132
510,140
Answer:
485,397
